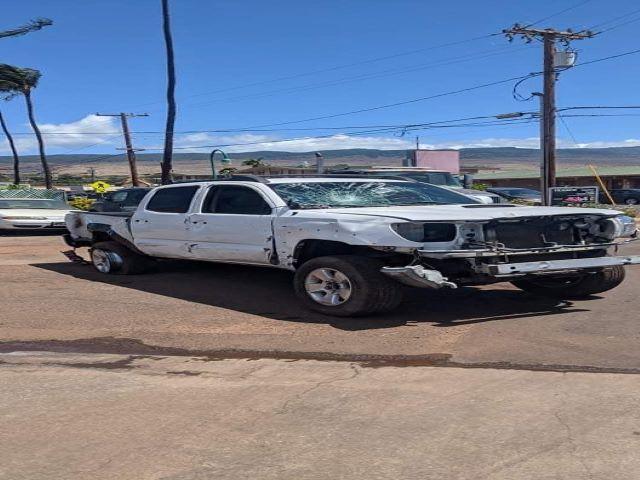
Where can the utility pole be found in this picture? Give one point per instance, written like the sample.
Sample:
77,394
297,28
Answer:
319,163
551,67
131,152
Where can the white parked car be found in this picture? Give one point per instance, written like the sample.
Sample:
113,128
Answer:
32,213
352,242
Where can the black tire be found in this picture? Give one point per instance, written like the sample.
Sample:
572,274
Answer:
574,287
117,259
370,290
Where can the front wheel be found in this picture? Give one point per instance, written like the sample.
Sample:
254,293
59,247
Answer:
574,287
346,286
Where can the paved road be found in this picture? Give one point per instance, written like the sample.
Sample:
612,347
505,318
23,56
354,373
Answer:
218,310
93,417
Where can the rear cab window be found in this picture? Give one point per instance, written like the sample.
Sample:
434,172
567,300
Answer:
172,199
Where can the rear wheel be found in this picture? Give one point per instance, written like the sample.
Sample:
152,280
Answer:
114,258
577,286
346,286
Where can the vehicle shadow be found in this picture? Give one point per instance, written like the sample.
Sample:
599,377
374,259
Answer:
32,233
267,292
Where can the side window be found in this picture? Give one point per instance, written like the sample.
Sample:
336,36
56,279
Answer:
118,197
172,199
134,198
234,199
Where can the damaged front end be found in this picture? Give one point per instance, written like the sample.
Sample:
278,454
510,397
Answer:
475,253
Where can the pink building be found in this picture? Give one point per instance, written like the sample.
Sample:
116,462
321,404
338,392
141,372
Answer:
447,160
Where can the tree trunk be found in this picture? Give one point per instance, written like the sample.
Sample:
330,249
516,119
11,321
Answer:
14,152
43,158
166,165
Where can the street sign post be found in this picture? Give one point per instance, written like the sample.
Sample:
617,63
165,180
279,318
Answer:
100,186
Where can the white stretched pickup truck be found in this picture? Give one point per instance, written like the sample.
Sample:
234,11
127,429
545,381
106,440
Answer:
352,241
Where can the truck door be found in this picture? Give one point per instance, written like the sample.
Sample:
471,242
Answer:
233,225
160,225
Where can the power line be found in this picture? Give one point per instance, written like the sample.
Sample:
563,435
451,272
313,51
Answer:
342,128
633,20
356,78
337,67
369,61
557,13
430,97
353,134
390,105
615,19
624,54
564,123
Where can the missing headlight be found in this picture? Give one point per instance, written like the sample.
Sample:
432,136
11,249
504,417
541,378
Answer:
426,232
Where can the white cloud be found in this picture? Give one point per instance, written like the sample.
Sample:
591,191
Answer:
94,130
252,142
90,130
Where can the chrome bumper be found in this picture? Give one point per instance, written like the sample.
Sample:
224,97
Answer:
554,266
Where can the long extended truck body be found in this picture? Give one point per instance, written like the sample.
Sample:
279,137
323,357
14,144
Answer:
353,241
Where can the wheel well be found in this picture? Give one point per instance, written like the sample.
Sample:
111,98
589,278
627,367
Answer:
101,237
307,249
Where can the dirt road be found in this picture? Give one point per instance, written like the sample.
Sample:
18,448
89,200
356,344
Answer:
50,303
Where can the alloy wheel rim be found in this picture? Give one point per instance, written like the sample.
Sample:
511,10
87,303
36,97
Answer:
101,260
328,286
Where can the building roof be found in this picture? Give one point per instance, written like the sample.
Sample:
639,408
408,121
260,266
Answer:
582,171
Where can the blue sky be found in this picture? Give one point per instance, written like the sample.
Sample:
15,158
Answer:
232,56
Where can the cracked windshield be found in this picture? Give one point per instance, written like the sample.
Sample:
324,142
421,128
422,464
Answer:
365,194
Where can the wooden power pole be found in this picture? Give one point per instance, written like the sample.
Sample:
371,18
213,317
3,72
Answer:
131,152
549,38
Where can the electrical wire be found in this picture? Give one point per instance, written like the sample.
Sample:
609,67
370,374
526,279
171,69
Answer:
430,97
333,135
580,4
514,91
335,68
564,123
357,78
613,20
390,105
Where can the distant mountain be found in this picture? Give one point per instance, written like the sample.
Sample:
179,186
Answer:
490,157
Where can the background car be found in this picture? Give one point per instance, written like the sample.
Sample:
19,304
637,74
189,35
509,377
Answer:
125,200
526,195
626,196
33,213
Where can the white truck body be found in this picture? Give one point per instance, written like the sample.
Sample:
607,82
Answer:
463,238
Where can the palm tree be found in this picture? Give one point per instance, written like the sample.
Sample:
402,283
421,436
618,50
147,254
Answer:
32,26
21,81
14,151
254,162
171,100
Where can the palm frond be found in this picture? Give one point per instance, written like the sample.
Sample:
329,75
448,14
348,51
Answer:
32,26
15,79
